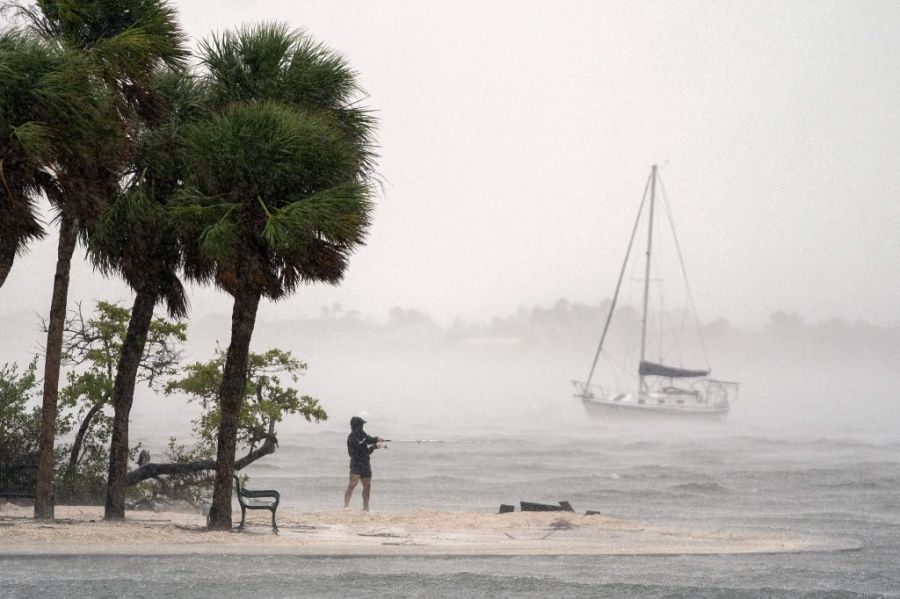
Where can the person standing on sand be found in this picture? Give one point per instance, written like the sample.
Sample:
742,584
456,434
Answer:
360,446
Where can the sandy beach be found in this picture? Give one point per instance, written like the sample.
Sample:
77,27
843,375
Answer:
80,530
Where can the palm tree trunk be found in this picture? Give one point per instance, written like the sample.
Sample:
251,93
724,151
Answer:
231,396
43,494
123,398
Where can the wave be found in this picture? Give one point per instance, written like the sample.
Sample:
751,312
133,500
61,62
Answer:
708,487
861,485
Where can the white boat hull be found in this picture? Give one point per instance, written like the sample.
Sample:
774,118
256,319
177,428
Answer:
605,410
657,405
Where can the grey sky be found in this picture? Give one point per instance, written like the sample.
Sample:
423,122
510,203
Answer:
516,138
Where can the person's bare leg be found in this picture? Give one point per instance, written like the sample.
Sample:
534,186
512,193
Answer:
367,488
349,492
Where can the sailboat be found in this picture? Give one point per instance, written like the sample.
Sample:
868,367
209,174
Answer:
662,389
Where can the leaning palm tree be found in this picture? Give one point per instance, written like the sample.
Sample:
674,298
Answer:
123,41
57,141
279,190
137,239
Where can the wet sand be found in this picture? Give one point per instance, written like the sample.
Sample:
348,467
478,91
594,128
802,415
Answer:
79,530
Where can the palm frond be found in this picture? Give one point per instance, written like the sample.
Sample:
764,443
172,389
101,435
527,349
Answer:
34,138
319,78
219,241
248,63
339,215
129,215
87,24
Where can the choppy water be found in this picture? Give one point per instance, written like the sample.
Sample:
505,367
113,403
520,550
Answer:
843,486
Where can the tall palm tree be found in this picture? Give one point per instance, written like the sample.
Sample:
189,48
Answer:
123,41
137,239
279,190
62,133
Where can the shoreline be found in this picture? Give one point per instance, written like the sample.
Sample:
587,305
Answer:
79,530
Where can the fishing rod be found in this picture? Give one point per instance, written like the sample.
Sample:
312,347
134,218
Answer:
416,441
420,441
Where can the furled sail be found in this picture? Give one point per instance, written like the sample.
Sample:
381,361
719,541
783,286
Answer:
654,369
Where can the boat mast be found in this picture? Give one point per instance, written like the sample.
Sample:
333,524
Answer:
643,385
615,298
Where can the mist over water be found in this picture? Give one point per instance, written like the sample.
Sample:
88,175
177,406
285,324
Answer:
511,375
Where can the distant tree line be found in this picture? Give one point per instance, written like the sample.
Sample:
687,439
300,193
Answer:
248,167
566,324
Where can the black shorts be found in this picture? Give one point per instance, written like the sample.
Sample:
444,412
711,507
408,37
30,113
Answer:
360,473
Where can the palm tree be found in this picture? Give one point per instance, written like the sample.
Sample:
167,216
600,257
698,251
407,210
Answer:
63,130
137,239
123,41
279,190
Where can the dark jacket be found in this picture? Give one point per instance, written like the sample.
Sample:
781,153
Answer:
360,446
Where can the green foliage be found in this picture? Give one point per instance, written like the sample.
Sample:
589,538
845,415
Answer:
269,62
136,236
20,418
266,158
20,412
51,111
93,346
75,88
123,38
279,175
266,398
20,423
267,401
49,97
91,349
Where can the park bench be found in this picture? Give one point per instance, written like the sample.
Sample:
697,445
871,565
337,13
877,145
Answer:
256,500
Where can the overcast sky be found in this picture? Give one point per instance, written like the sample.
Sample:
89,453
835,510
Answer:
516,138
